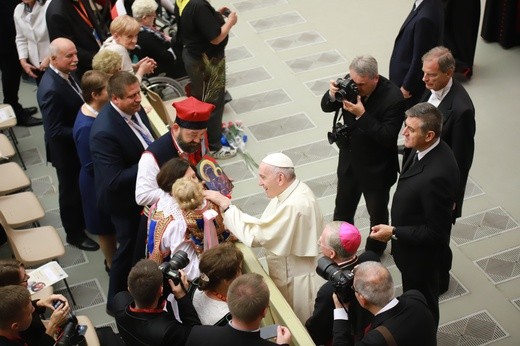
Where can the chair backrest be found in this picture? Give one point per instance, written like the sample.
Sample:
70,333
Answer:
13,178
9,233
6,148
157,104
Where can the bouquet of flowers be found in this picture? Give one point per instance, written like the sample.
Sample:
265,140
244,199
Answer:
233,135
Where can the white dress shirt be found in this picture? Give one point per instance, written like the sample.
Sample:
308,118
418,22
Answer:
32,37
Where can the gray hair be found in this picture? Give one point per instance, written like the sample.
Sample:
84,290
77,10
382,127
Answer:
288,172
334,241
430,116
444,58
373,281
365,65
57,45
141,8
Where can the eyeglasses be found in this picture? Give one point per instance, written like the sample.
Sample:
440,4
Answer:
25,278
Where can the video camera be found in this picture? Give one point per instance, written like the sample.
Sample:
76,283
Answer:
170,269
342,279
71,333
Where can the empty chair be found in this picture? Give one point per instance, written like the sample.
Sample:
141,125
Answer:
7,122
13,178
6,149
21,209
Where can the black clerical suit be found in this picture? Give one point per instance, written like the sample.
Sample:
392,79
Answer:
153,327
420,32
409,322
421,214
225,336
319,325
368,161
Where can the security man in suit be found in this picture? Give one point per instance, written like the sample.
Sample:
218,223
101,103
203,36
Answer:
458,125
422,205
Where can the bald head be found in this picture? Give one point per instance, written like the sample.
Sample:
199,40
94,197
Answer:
64,55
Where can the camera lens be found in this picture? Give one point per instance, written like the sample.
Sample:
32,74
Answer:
179,260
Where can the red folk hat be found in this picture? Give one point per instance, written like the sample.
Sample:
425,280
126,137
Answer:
192,113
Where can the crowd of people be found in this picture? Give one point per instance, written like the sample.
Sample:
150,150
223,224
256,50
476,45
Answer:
168,242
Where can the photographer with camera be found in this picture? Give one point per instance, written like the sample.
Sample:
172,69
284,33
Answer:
338,243
140,315
372,109
12,272
405,320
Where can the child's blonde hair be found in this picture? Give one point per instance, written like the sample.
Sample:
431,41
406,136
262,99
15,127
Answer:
188,193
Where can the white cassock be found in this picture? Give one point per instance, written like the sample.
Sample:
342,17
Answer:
289,230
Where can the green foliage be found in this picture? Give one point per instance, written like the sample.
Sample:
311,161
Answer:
214,78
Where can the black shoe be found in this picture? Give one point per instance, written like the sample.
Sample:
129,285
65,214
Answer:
30,121
83,243
30,111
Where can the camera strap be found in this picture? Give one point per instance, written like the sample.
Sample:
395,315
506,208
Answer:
337,117
389,338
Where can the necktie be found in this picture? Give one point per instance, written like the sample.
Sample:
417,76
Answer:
368,328
135,124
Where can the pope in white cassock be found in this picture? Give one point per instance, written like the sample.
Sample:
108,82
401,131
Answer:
288,229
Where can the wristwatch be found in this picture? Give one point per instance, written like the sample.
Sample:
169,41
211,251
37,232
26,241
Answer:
394,237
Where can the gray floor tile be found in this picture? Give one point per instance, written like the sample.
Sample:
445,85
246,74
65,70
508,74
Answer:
22,132
323,186
253,75
502,266
516,303
253,204
316,61
87,294
479,328
312,152
261,100
472,189
319,86
237,171
73,257
295,40
52,218
237,53
32,157
281,126
43,186
455,290
278,21
482,225
249,5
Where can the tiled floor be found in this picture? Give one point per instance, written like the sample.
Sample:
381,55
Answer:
281,55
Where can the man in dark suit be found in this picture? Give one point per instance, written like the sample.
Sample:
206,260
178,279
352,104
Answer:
140,316
404,320
421,31
458,124
119,135
339,242
59,98
248,300
423,205
368,162
77,21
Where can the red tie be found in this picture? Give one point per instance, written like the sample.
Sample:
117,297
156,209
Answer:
368,328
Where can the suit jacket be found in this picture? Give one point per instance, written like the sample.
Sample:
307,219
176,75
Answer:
155,328
224,336
59,105
410,323
371,149
420,32
458,131
64,21
116,151
422,209
319,325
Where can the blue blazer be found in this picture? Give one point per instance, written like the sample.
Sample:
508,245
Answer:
59,105
116,151
421,31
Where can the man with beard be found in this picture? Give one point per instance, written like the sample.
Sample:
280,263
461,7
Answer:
187,139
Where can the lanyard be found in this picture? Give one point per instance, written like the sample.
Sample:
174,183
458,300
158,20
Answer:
82,11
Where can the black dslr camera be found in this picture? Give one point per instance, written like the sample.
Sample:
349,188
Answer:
71,334
339,131
341,278
170,269
348,90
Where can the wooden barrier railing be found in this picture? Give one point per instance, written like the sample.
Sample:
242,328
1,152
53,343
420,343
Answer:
279,310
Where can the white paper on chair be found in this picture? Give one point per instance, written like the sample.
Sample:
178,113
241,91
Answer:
45,275
6,113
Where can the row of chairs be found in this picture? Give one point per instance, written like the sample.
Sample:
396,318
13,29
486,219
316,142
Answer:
20,212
